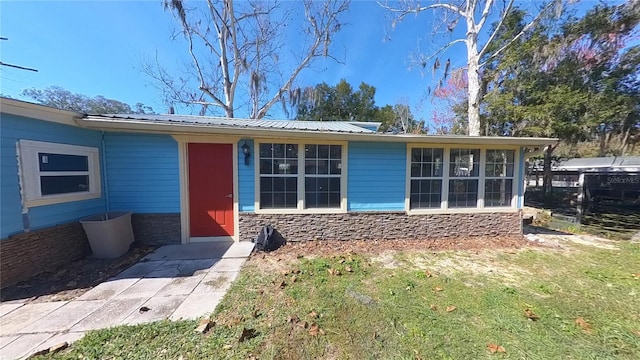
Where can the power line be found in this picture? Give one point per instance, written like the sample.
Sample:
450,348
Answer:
15,66
18,66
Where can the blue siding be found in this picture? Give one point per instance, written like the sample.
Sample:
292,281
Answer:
14,128
246,177
376,176
143,173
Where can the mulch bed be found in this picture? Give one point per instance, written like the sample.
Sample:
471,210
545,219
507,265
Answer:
73,280
329,247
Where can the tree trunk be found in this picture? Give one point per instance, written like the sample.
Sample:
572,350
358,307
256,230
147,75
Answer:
474,82
547,176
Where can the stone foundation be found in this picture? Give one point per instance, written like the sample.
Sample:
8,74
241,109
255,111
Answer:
381,225
27,254
156,229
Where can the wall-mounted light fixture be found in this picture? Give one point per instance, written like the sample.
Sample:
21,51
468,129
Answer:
247,153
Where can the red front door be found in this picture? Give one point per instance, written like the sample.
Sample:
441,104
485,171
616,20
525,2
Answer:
210,189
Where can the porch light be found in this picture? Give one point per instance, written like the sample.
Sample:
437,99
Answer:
247,153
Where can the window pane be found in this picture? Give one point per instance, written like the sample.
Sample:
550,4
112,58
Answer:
266,151
334,185
336,152
499,163
62,162
278,150
464,162
266,200
266,166
311,167
322,192
498,192
426,162
278,184
463,193
336,167
416,155
291,200
323,151
292,151
51,185
323,166
334,200
266,184
425,194
311,151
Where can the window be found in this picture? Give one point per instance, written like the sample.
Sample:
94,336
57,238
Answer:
498,184
278,176
426,178
55,173
286,185
323,167
464,172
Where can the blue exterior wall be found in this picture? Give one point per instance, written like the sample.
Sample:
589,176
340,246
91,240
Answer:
376,176
143,173
246,177
14,128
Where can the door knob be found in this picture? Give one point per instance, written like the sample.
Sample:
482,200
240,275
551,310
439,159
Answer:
229,196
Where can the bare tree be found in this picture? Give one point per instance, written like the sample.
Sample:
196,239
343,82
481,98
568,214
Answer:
474,15
237,52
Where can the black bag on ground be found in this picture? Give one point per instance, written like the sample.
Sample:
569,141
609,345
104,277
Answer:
268,239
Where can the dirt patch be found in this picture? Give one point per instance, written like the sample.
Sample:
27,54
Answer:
384,249
73,280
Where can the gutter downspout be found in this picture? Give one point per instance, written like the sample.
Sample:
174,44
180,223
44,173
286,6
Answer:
105,182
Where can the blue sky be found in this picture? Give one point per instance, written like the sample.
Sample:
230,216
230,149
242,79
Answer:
97,48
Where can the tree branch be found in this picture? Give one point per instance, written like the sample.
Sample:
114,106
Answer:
404,12
519,35
485,13
495,31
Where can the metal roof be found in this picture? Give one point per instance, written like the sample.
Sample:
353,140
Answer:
326,130
330,126
600,163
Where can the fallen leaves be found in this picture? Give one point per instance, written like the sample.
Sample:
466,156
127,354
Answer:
636,331
531,315
334,272
586,327
451,308
495,348
433,307
437,289
636,276
314,330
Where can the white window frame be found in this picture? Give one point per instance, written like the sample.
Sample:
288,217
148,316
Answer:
441,178
480,207
300,208
30,174
512,177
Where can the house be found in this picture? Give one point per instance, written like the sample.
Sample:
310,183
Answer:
189,179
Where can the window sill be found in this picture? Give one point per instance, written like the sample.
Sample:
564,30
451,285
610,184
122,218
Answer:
59,199
462,211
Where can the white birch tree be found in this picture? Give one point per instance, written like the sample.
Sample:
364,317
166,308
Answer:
237,52
473,16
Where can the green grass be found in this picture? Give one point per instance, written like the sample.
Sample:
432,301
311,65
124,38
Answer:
373,312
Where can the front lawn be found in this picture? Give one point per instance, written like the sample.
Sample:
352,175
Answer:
578,302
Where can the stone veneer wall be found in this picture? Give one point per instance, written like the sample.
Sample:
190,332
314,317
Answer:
381,225
156,229
30,253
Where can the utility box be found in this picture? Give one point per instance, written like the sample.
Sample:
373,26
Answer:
109,234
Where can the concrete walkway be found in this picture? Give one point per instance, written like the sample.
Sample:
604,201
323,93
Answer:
174,282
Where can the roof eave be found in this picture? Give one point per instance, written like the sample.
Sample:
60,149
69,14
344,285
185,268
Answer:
199,129
37,111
